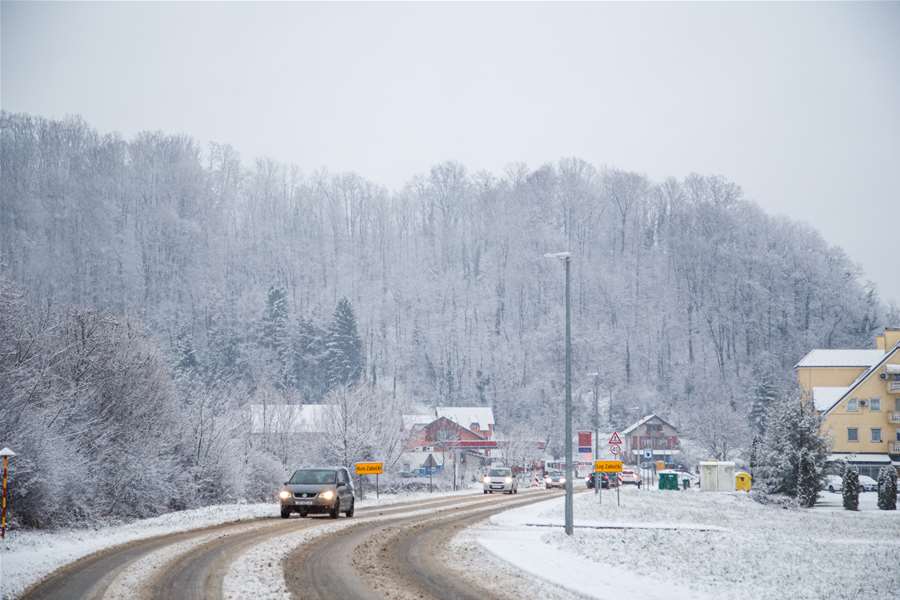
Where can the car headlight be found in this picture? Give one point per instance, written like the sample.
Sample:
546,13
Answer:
562,479
486,479
326,495
284,494
547,479
508,480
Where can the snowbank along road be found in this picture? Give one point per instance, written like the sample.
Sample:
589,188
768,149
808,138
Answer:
384,552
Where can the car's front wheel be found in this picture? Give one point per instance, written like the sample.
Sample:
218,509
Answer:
831,488
285,513
350,510
335,510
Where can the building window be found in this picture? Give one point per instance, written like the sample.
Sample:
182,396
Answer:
852,434
875,404
876,434
897,404
898,435
852,405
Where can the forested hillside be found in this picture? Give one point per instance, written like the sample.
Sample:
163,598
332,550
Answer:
687,298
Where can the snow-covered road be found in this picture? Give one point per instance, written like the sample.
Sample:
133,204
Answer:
28,556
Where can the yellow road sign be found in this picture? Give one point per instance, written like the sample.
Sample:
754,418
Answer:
607,466
370,468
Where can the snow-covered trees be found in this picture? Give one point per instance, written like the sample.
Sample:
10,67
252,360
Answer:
88,403
792,456
344,361
887,488
850,489
686,297
360,423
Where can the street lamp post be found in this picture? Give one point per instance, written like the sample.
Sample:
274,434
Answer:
566,257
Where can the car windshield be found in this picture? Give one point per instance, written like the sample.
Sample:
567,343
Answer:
499,473
555,474
313,476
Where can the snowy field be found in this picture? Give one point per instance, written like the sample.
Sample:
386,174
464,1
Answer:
691,545
28,556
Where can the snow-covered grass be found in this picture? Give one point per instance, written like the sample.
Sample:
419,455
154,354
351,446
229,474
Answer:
748,549
29,555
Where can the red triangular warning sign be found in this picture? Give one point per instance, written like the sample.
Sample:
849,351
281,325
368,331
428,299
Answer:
614,439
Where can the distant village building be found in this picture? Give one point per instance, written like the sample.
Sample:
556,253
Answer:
651,434
857,392
461,433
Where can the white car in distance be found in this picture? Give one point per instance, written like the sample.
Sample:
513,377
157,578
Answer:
500,479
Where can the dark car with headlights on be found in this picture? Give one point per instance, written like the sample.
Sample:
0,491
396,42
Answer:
318,491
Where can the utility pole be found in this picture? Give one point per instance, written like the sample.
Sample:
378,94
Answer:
569,475
566,257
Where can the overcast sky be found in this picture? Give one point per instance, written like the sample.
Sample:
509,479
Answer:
799,104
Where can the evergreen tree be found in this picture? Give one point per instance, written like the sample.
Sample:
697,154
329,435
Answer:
793,452
850,490
764,392
887,488
345,362
310,357
275,337
184,351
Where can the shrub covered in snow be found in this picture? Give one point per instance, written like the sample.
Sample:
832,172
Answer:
851,489
792,455
887,488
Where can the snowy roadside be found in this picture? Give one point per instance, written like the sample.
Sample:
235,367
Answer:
28,556
696,545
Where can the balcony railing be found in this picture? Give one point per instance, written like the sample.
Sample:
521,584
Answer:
894,387
894,447
894,417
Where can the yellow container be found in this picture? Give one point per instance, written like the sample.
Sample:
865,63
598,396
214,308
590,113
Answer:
742,481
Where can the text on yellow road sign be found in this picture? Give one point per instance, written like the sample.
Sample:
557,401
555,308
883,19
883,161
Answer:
607,466
370,468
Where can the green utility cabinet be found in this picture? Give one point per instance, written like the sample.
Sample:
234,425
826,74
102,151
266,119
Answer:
668,481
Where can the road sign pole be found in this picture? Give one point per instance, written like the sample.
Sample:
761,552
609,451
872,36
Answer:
376,487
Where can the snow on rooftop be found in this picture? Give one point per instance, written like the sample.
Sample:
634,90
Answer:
825,397
409,421
851,457
840,358
466,415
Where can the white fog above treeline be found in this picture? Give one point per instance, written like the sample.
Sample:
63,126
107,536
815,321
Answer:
152,288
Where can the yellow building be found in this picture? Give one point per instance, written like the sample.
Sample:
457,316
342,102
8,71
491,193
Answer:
858,394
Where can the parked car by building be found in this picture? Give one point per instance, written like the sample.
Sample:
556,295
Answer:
867,484
500,479
318,491
834,483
